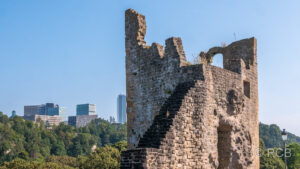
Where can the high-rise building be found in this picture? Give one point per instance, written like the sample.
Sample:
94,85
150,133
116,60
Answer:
81,121
31,110
43,109
48,109
121,109
86,109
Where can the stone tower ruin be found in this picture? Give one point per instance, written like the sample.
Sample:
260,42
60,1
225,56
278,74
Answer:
189,116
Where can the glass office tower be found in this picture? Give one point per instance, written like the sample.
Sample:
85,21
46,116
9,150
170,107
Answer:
86,109
121,109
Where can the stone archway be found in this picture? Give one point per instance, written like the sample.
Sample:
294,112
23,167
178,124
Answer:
207,57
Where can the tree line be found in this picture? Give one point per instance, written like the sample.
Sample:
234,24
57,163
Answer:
271,148
28,145
30,141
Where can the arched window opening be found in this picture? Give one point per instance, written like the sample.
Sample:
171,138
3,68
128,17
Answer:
218,60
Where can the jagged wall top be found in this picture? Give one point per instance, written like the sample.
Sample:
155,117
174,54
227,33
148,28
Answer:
137,30
233,54
135,26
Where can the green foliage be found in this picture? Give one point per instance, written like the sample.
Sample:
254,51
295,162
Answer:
292,138
27,145
293,161
22,164
269,160
50,165
63,160
107,157
271,135
30,141
58,149
121,146
18,164
103,158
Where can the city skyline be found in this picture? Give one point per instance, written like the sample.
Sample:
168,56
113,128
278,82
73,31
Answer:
67,113
77,55
43,109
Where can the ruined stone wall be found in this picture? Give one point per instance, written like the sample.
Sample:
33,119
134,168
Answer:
151,75
197,116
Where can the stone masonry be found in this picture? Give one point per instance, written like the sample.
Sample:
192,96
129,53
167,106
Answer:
189,116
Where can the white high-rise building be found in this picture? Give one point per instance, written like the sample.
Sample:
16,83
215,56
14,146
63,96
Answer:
121,109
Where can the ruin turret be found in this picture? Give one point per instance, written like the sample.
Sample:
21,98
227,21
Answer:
192,116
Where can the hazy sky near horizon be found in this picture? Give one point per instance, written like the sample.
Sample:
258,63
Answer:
72,51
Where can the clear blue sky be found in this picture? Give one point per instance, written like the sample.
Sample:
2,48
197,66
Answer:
72,51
